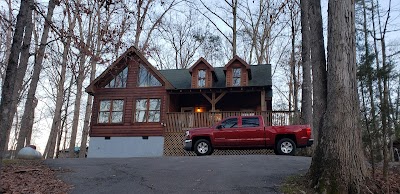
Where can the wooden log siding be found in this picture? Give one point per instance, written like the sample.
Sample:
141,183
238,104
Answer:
178,122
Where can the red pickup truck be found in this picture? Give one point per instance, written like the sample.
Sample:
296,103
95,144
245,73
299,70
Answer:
248,132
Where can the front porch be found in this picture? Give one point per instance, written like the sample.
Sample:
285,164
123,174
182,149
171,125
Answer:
178,122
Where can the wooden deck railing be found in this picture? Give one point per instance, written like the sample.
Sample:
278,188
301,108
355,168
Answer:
177,121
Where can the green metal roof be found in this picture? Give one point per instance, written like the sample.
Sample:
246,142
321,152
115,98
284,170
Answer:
181,78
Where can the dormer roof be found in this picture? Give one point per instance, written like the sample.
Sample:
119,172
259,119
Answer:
240,60
204,61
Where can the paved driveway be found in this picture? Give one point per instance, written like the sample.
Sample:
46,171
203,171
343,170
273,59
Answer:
210,174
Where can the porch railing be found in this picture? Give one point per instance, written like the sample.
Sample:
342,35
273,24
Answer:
177,121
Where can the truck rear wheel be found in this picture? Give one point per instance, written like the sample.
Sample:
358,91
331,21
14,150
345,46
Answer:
286,146
203,147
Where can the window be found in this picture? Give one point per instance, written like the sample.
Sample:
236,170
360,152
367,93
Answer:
146,79
230,123
236,76
148,110
111,111
201,82
119,81
250,122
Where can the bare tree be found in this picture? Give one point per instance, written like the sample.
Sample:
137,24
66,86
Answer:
29,105
6,20
56,124
185,38
147,20
261,24
230,7
97,46
338,163
306,100
7,105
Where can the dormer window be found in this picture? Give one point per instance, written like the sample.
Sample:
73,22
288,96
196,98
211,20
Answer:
201,82
146,79
119,81
237,74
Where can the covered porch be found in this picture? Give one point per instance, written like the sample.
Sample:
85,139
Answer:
243,99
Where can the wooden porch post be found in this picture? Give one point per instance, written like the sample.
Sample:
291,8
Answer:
263,105
213,100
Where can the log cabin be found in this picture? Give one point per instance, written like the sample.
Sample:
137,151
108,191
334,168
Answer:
132,99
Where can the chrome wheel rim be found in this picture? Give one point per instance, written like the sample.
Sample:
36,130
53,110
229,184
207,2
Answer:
202,147
286,147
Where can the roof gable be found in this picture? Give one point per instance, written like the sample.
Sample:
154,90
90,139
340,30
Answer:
201,60
121,63
241,61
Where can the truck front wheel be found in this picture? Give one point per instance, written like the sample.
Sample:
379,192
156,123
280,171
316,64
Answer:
203,147
286,146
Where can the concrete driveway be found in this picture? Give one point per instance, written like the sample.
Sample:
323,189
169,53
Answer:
210,174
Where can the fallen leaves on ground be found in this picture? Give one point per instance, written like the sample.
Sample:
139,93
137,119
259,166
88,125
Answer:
30,176
300,183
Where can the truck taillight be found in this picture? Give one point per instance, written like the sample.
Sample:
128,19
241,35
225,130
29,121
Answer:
308,132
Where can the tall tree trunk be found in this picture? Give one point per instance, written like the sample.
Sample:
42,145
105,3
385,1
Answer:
79,82
8,88
306,100
382,91
319,72
234,30
370,88
293,65
29,106
8,42
89,102
338,164
21,73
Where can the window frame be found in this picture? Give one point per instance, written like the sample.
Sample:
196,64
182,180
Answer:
147,110
236,77
110,111
138,84
201,78
124,81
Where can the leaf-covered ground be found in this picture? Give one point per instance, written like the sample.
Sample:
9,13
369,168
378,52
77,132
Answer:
298,184
28,176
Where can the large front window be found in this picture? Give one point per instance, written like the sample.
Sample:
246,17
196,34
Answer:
236,76
119,81
148,110
201,82
111,111
146,79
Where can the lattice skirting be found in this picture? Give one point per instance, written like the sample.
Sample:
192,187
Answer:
173,146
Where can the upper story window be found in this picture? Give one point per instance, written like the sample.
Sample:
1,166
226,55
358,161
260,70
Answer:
237,74
119,81
148,110
201,82
111,111
146,79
